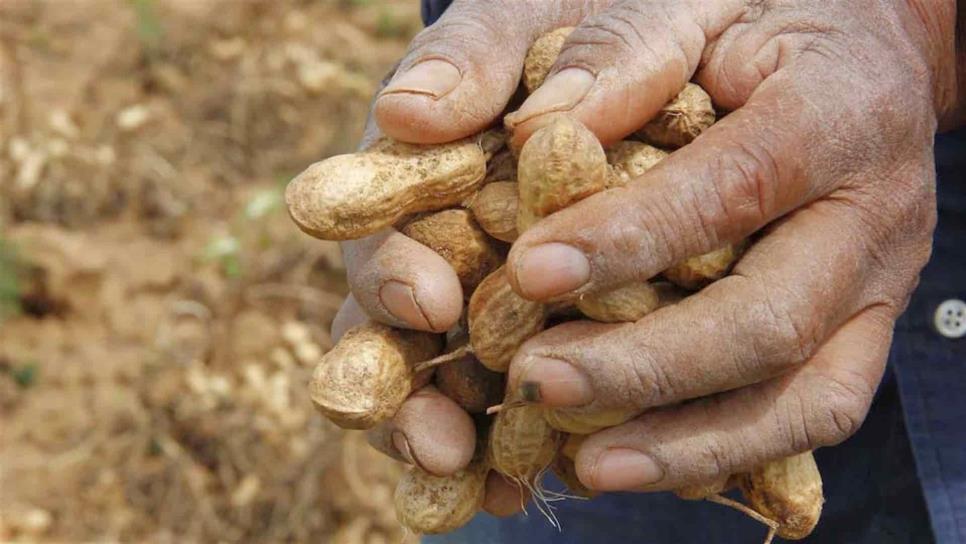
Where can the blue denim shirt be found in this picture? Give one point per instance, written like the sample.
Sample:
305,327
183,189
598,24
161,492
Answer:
900,478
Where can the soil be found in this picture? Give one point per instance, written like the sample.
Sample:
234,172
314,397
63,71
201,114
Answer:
159,312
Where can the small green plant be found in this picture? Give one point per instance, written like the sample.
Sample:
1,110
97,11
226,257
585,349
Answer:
226,251
148,26
10,286
25,375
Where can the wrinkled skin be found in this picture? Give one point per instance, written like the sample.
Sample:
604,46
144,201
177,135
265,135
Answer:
827,156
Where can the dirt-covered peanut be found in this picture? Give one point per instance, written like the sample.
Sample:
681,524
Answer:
629,159
495,209
788,491
565,470
681,120
351,196
702,491
521,443
365,378
500,321
624,304
572,443
456,237
470,384
578,421
428,504
502,167
560,164
541,56
696,272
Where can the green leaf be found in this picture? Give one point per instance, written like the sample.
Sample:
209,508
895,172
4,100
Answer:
26,375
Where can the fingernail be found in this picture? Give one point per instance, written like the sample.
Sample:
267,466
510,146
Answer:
434,78
401,443
551,269
623,469
561,92
553,382
400,300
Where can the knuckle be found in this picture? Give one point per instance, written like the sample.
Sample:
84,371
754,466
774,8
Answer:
742,184
660,37
834,410
461,35
599,34
782,336
718,459
651,383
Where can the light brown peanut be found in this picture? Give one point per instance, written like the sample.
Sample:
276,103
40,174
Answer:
470,384
365,378
560,164
456,237
624,304
788,491
351,196
428,504
579,422
696,272
495,208
521,444
500,321
629,159
680,121
542,55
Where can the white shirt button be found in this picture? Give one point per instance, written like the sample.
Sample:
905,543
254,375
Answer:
950,318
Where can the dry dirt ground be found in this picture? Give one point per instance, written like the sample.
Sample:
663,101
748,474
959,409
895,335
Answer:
159,313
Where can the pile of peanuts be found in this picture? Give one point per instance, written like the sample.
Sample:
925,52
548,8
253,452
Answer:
467,200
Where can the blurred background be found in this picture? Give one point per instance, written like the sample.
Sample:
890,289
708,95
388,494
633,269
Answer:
159,313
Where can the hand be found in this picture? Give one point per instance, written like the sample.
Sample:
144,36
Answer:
400,282
827,156
810,136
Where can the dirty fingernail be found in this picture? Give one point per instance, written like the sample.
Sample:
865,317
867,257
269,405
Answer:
551,269
553,382
623,469
434,78
561,92
401,443
400,300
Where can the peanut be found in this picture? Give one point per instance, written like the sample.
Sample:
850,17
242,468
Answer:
521,444
351,196
470,384
502,167
696,272
578,422
702,491
501,320
630,159
428,504
681,120
565,470
366,377
560,164
455,236
542,55
788,491
627,303
495,209
563,466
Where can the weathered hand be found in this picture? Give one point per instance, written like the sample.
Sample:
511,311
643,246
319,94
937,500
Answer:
827,156
475,56
830,144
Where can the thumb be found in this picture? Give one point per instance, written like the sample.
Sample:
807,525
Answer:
619,67
460,73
